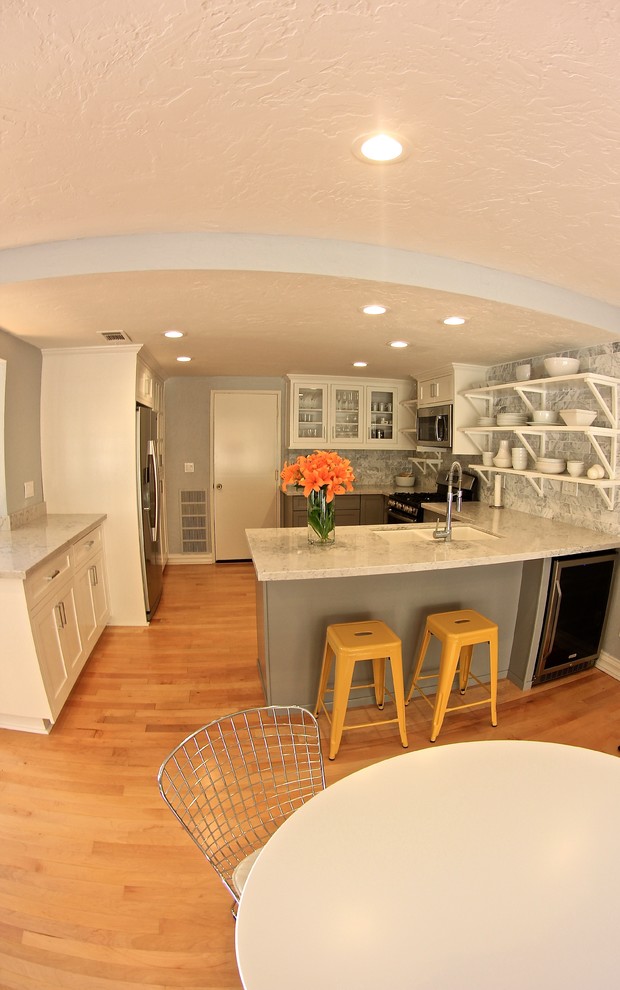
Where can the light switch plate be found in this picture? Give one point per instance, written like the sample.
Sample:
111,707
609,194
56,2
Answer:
189,467
28,489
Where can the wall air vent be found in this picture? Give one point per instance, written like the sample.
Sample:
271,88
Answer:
194,536
115,336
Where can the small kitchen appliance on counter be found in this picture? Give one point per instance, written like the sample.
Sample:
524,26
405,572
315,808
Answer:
408,507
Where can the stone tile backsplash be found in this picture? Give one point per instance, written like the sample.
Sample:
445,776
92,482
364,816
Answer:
581,506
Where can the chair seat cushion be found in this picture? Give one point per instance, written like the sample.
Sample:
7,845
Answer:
242,871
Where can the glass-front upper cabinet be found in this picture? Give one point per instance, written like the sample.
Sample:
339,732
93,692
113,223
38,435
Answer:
381,414
309,415
347,414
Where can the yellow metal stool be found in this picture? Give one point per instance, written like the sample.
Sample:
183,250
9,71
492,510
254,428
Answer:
348,642
458,633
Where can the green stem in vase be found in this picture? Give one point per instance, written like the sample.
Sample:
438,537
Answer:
321,518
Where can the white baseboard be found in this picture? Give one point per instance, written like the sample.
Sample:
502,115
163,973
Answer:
610,665
190,558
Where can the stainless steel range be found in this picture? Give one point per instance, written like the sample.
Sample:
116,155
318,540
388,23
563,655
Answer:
408,507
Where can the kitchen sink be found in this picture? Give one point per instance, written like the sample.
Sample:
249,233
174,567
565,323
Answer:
460,534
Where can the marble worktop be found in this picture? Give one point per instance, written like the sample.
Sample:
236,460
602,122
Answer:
284,554
23,549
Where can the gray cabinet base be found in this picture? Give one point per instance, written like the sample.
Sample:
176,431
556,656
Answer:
292,617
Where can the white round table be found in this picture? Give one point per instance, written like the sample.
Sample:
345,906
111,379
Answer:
477,866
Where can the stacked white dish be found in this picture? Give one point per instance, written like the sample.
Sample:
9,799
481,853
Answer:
486,421
511,419
550,465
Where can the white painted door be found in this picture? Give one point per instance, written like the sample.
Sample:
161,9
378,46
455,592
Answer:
246,465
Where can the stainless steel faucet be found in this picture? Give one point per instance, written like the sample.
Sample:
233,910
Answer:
445,534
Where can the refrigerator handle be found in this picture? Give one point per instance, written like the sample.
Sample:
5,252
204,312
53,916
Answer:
152,457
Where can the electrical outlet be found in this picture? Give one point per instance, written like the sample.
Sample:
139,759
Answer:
28,489
189,467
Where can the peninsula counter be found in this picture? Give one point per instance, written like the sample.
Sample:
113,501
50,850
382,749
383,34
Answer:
390,573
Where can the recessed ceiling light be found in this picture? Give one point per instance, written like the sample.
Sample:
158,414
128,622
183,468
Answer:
173,333
454,321
380,149
374,310
184,359
360,364
398,343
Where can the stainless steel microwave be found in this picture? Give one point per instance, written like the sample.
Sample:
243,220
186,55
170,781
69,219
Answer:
434,425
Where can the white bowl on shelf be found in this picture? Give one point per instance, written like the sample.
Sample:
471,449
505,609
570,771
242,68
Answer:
578,417
405,480
558,366
546,417
550,465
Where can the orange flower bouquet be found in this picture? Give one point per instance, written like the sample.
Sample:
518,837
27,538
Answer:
322,475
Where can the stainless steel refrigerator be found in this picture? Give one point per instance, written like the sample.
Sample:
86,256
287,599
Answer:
149,502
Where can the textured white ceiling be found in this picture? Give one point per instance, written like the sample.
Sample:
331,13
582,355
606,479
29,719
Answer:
144,117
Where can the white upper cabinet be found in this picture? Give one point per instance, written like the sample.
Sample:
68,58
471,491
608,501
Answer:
308,414
349,413
446,386
436,389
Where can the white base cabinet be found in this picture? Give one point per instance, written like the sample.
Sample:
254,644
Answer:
55,617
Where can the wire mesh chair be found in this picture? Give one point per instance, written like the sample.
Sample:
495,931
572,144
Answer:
232,783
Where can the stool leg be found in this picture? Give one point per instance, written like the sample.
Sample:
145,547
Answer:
464,667
447,669
418,667
494,662
323,679
342,688
396,661
378,676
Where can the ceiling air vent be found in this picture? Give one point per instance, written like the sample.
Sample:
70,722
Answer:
115,336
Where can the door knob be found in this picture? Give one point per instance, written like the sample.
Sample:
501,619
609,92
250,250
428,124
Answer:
219,487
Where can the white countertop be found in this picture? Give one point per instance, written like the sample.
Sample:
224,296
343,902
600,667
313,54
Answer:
284,554
22,549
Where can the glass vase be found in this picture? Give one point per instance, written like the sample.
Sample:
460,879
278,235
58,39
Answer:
321,519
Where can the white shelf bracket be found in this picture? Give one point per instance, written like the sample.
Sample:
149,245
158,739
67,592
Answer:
484,473
526,444
608,496
610,414
423,462
537,485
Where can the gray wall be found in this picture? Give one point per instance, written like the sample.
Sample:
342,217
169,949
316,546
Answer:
187,403
22,421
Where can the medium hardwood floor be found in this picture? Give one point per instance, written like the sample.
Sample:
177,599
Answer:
101,888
